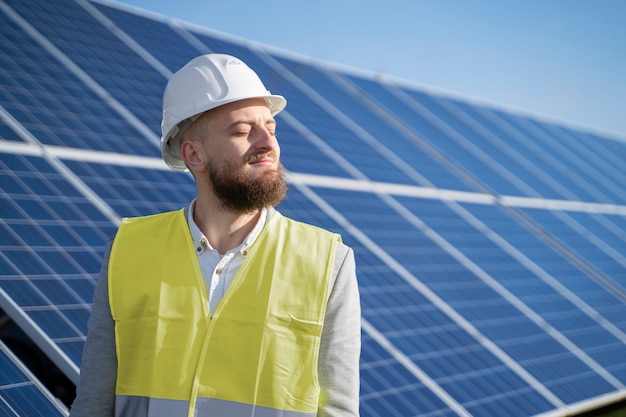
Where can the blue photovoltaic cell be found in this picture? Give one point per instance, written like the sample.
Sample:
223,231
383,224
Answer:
596,167
549,175
601,253
98,52
136,192
466,293
55,107
432,133
411,150
586,329
388,390
601,158
20,393
157,37
484,308
55,249
512,173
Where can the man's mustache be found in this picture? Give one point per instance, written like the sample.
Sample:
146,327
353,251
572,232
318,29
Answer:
261,155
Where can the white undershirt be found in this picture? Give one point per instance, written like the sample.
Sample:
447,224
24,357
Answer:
219,270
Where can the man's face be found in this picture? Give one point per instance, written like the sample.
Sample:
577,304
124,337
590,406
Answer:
242,156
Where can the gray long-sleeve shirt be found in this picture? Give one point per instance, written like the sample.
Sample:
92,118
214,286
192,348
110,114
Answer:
338,365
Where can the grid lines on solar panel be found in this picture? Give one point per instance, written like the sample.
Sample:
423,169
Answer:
582,161
105,58
359,148
132,191
8,134
544,255
452,139
477,365
475,299
419,158
52,244
305,152
495,150
567,183
581,308
590,149
20,394
610,229
52,104
388,389
588,241
157,37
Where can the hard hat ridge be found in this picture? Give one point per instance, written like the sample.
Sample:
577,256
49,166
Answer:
204,83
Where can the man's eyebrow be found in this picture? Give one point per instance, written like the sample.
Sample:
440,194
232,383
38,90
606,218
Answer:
250,122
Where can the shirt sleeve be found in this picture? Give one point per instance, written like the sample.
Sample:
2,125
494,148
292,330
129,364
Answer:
340,346
95,394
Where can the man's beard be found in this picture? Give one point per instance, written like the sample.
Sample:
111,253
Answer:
243,194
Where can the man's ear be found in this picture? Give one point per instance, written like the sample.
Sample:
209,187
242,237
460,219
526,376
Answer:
190,151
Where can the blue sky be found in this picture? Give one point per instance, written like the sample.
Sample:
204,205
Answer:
562,59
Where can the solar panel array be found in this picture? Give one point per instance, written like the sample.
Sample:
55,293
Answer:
490,245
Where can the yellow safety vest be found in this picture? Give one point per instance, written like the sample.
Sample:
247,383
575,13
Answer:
256,356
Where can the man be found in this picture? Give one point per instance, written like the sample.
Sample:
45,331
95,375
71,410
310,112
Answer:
224,308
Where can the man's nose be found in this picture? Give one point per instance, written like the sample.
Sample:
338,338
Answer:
265,139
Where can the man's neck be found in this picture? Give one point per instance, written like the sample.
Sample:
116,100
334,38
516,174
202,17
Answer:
226,229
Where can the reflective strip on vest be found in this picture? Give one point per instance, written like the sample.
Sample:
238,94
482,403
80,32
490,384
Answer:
260,348
157,407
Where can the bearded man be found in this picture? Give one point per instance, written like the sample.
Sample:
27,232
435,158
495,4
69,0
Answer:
225,307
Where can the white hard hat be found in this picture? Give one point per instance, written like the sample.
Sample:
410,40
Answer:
206,82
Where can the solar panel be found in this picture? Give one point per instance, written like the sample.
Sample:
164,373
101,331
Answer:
489,244
21,394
